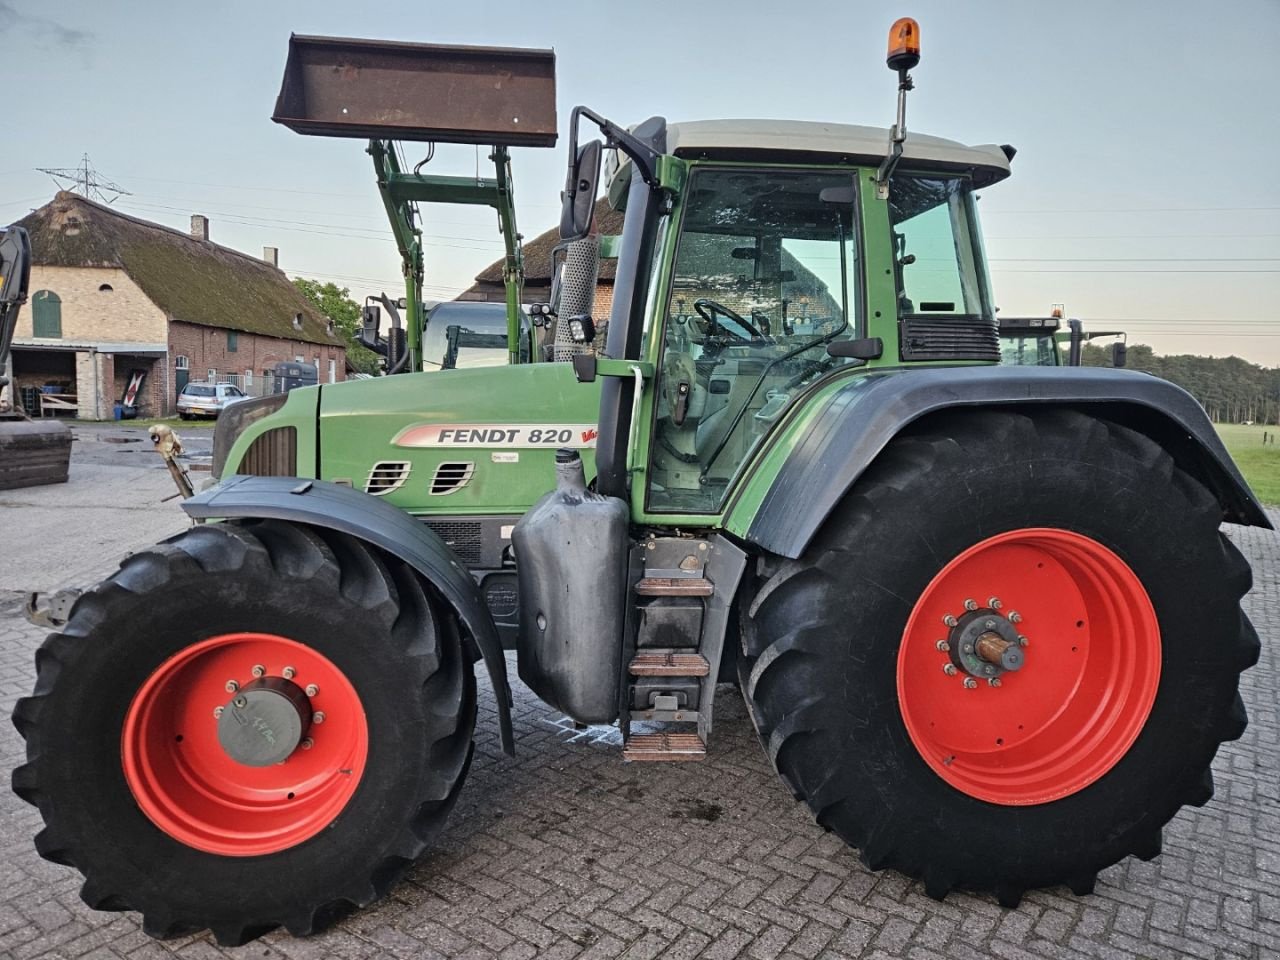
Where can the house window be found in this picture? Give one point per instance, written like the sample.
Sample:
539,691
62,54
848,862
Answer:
248,378
233,341
182,363
105,288
333,371
299,359
213,374
46,315
317,368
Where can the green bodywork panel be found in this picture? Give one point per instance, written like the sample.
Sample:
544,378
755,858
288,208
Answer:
299,412
773,453
363,422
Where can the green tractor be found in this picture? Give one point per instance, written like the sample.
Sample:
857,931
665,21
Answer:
1038,342
983,616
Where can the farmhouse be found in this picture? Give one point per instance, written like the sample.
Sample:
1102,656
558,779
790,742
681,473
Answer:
117,300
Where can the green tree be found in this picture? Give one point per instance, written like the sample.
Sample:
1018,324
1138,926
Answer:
335,303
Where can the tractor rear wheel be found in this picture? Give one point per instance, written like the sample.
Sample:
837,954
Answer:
1010,655
247,726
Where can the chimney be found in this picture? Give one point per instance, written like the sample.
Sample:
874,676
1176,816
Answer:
271,255
199,227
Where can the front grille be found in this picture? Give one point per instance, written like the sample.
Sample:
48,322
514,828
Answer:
272,454
964,338
387,475
451,476
464,537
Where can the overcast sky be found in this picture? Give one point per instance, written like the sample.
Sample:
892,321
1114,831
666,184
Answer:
1145,194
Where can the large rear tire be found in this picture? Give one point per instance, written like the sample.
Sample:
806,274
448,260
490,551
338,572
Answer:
1076,533
125,732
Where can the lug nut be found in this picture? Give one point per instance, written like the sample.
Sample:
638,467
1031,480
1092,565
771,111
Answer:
217,712
258,670
994,603
288,673
943,646
311,690
318,717
232,686
993,682
949,669
949,620
307,743
1015,616
970,683
1022,641
241,702
971,604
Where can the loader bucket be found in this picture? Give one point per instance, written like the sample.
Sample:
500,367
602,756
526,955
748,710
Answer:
496,96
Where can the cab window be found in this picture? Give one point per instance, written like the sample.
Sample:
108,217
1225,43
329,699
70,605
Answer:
764,278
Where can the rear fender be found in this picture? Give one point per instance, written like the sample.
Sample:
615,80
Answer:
321,504
857,421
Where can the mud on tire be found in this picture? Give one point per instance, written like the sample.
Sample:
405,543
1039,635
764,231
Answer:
822,639
367,614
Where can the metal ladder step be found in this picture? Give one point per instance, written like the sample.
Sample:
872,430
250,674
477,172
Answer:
664,746
675,587
669,663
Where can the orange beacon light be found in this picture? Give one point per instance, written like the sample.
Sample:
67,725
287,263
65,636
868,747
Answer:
904,44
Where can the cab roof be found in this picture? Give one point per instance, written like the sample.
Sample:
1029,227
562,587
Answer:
753,139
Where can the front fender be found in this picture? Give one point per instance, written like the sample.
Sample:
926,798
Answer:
817,465
322,504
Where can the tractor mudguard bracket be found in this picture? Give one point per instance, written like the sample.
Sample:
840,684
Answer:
323,504
857,422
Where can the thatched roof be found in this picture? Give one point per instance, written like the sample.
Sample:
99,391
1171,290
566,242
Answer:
537,254
194,281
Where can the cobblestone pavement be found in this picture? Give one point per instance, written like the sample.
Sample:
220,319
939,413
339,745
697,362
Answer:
568,852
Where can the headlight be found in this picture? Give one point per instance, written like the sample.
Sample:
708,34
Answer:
232,422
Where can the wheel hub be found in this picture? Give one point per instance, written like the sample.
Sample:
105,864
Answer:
984,644
264,721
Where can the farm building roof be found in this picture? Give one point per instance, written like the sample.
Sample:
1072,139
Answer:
537,253
193,281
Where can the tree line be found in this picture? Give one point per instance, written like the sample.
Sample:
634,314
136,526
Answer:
1230,389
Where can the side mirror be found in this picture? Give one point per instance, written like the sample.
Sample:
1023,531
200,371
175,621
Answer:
370,321
1119,354
579,197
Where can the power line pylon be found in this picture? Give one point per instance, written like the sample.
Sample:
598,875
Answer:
85,181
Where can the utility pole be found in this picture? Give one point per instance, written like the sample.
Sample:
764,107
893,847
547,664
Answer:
85,181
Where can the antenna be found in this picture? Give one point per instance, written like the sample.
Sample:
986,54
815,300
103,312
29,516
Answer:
85,181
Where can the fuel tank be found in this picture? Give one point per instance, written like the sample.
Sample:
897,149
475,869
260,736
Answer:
571,558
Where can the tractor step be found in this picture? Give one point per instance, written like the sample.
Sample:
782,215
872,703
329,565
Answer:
675,587
664,746
669,663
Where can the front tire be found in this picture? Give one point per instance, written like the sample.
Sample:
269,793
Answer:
1109,559
125,733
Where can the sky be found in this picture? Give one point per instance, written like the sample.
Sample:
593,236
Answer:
1145,194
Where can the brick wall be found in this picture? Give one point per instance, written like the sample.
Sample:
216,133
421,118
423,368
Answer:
121,314
206,348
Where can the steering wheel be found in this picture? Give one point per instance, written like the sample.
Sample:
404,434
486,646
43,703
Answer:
707,310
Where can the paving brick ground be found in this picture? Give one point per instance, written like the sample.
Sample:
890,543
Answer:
567,852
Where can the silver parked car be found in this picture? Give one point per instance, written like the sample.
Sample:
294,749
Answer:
207,399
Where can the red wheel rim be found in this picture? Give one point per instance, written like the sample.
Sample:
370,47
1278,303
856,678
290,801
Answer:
1089,677
187,784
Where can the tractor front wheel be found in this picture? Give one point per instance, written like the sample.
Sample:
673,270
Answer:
250,725
1009,657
